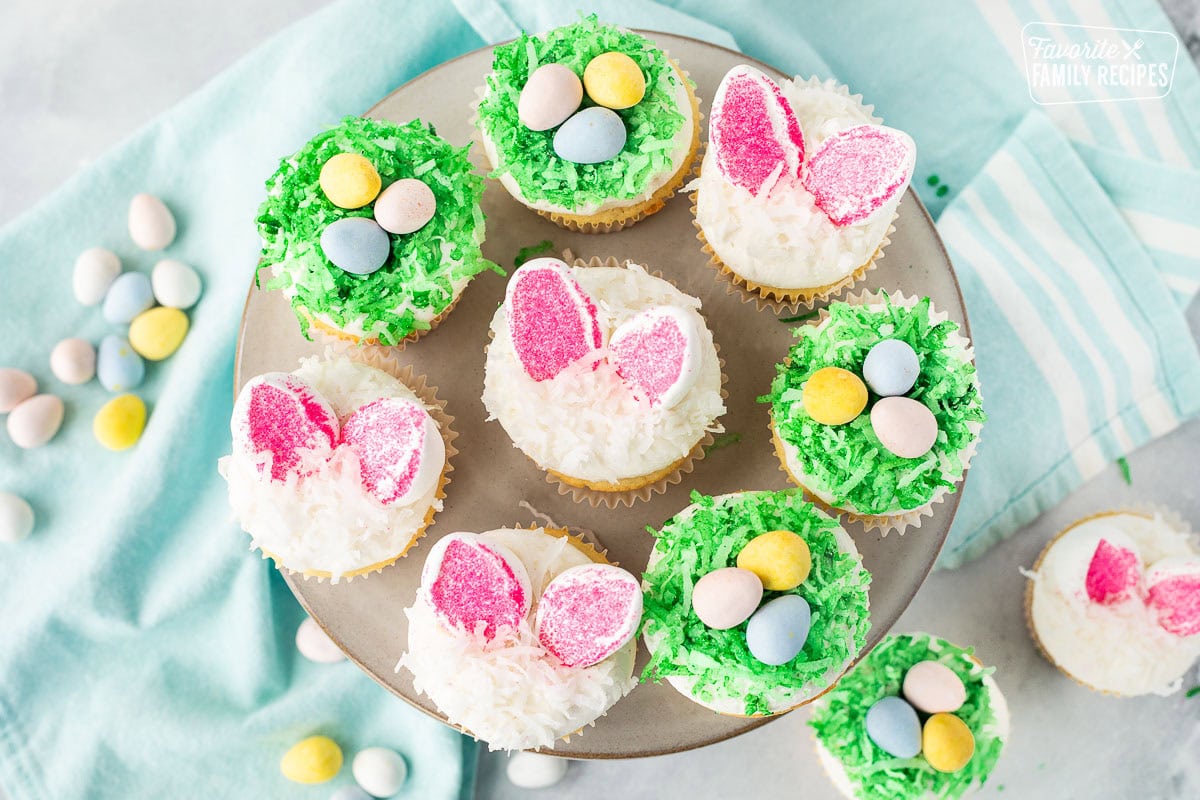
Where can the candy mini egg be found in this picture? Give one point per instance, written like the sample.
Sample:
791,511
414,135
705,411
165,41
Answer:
95,270
593,135
356,244
35,421
777,631
549,97
891,368
780,559
129,295
933,687
893,726
118,367
73,361
834,396
313,760
16,518
175,284
151,224
904,426
947,743
119,422
405,206
379,771
315,644
16,386
157,333
725,598
528,770
349,180
614,80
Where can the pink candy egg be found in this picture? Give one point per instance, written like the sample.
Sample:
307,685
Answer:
933,687
405,206
725,598
904,426
589,612
551,94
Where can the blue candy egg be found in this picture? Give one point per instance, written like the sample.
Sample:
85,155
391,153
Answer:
356,244
117,366
891,368
129,295
777,631
893,725
590,136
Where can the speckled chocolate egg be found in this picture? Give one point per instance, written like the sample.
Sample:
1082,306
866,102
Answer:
549,97
906,427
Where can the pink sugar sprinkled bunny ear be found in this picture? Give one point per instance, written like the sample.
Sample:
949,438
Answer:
467,581
400,450
857,172
589,612
754,132
283,415
1173,593
1113,574
657,353
551,319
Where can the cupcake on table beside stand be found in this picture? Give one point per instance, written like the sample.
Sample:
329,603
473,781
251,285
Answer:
1114,602
589,125
799,187
372,231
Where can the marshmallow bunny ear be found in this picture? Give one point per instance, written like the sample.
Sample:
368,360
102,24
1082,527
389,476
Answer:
281,414
466,581
657,354
400,450
857,172
589,612
1173,593
1113,573
754,132
551,319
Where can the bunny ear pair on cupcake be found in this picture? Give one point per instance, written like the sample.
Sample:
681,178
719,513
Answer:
1170,587
759,146
554,324
399,448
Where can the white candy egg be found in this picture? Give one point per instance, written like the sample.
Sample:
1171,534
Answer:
16,518
379,771
175,284
151,223
16,386
535,771
34,422
315,645
73,361
95,270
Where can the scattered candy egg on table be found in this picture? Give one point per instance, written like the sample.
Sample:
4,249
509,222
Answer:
933,687
906,427
119,422
527,770
157,333
151,224
95,270
834,396
405,206
315,645
891,368
614,80
947,743
549,97
892,724
590,136
379,771
780,559
118,367
350,793
73,361
16,386
725,598
313,760
356,244
175,284
776,632
129,295
16,518
349,180
35,421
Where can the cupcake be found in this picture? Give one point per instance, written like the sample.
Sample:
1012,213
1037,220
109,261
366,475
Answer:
755,602
917,718
606,376
522,637
1114,602
589,125
799,186
372,230
876,409
337,468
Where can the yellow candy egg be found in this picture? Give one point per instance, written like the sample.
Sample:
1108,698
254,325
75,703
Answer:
780,559
349,180
314,760
157,333
119,422
614,80
947,743
834,396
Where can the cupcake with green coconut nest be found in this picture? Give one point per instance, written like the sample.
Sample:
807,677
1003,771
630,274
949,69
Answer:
590,125
917,718
876,409
372,230
754,602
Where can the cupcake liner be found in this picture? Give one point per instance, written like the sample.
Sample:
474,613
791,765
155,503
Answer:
343,341
913,518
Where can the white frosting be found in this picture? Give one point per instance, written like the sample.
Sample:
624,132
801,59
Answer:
327,521
782,239
1117,648
509,691
587,423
